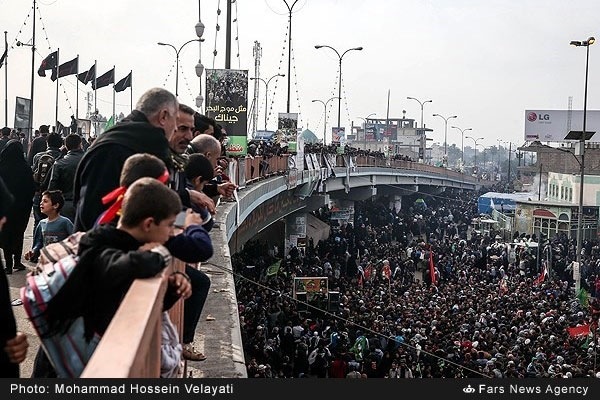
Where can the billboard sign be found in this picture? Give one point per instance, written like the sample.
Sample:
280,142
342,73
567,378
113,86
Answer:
227,103
554,125
338,135
22,112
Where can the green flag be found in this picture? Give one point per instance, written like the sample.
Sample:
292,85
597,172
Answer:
109,124
274,268
586,345
584,297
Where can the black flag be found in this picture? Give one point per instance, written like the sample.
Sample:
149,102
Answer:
104,80
3,58
68,68
89,75
48,63
123,83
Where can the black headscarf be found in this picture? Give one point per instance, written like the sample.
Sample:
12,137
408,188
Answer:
15,172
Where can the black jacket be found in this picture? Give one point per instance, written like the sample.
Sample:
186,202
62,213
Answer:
100,168
109,262
38,145
63,173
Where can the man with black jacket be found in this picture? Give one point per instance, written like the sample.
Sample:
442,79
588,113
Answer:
146,130
63,173
39,144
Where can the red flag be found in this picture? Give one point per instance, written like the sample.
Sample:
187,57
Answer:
386,271
431,267
368,271
579,330
503,287
360,281
542,276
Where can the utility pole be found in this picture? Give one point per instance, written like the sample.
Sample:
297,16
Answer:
32,79
257,51
228,37
289,73
6,80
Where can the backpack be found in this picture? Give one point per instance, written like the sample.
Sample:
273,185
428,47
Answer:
42,168
68,353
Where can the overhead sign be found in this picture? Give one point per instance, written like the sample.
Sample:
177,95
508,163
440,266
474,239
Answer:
227,103
554,125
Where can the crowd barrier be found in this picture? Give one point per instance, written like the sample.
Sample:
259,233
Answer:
130,348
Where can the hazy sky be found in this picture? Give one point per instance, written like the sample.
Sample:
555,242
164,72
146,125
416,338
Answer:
485,61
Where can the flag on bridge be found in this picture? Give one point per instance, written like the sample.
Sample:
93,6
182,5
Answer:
104,80
66,69
87,76
48,63
123,83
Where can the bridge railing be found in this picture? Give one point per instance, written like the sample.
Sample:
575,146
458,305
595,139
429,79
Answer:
131,346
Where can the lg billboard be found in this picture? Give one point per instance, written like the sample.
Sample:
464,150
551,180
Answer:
554,125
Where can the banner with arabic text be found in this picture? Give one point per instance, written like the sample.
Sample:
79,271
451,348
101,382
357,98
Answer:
227,103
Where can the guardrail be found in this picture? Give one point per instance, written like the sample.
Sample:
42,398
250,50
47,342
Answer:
130,347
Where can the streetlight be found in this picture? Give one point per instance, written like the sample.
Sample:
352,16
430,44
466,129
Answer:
424,137
462,143
340,81
586,44
177,60
445,134
266,92
325,118
365,128
475,158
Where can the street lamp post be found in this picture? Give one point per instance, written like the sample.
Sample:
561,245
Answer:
423,137
462,143
445,135
177,60
365,129
586,44
340,80
475,158
324,117
266,92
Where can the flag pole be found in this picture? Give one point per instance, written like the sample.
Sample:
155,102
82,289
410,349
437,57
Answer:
95,100
77,91
57,78
114,74
5,80
30,134
131,91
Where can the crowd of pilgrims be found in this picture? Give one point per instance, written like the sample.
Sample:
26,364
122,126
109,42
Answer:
488,313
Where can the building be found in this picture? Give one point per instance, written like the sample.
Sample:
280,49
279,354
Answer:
566,187
393,136
552,218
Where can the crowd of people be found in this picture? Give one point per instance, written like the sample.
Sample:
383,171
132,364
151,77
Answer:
489,310
163,150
